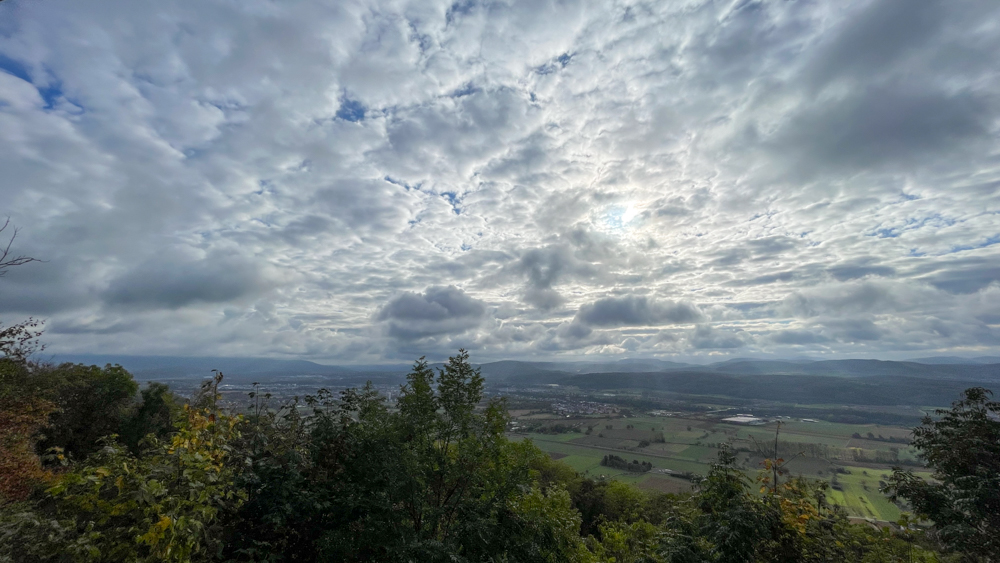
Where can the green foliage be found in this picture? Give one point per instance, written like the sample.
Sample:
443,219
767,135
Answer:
156,414
604,501
24,411
637,541
618,462
547,528
22,416
91,403
547,472
162,506
432,477
735,522
963,448
433,480
20,467
67,410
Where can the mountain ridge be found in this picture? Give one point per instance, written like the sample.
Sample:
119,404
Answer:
527,372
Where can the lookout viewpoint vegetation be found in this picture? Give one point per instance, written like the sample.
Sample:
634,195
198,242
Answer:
431,477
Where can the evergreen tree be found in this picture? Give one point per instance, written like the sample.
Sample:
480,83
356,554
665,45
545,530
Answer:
963,449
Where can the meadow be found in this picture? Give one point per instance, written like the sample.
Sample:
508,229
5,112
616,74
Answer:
853,457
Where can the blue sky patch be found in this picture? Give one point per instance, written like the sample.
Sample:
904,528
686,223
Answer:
50,94
466,90
351,110
14,68
462,8
454,200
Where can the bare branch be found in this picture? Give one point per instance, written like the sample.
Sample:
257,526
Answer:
7,261
20,341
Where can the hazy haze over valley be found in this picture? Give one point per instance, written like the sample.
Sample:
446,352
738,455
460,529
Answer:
366,183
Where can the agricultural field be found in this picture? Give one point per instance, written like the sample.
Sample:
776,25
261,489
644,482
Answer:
855,457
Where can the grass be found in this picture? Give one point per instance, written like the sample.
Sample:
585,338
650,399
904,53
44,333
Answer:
703,454
766,433
665,484
694,451
586,457
567,437
860,494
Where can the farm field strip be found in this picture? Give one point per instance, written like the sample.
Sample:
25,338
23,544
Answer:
860,494
595,453
690,445
831,433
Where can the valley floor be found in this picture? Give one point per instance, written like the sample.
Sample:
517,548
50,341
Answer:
855,458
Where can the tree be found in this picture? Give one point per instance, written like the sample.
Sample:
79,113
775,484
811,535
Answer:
736,523
963,449
165,505
23,408
18,342
91,403
156,414
21,420
433,480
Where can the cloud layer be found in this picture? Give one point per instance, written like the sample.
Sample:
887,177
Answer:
361,181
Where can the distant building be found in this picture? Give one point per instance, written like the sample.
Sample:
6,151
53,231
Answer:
743,419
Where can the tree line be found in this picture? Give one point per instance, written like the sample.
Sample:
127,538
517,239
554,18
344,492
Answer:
97,470
617,462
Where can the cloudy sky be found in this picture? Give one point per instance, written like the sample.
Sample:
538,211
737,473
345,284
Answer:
371,181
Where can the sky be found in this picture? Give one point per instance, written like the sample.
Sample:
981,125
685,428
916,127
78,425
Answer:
361,182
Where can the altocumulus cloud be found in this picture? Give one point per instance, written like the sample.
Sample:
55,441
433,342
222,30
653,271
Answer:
675,178
636,311
174,281
438,311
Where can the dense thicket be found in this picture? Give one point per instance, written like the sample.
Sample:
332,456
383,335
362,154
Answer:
352,477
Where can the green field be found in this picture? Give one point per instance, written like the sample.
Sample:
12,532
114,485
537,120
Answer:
691,445
859,494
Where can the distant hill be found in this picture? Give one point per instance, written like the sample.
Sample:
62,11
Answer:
173,367
816,389
845,382
849,382
957,360
511,371
506,369
862,368
146,368
621,366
